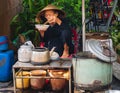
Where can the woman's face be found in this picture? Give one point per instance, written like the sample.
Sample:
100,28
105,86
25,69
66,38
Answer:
51,15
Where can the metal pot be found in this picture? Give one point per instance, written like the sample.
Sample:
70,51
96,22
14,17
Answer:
24,53
91,73
40,56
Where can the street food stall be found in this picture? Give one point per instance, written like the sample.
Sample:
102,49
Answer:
92,69
54,76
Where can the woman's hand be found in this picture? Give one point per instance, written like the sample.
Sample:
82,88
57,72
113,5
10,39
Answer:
54,19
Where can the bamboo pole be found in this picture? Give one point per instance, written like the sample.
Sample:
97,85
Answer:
111,14
83,24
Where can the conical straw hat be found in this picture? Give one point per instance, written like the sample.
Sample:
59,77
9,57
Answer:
50,7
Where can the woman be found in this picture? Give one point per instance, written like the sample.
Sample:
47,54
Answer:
58,33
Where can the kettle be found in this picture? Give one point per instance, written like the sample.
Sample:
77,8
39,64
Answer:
24,53
41,55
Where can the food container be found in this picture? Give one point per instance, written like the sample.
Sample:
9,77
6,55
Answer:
41,27
58,82
24,53
22,82
40,56
99,73
37,83
98,66
54,56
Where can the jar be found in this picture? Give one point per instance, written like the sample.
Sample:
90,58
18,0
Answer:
56,82
38,83
24,53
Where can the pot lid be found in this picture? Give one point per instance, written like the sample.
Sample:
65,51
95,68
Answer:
102,49
25,46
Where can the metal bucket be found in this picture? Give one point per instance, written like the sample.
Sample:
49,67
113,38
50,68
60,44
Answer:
91,73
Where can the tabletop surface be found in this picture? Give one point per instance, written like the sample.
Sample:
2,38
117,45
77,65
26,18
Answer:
52,64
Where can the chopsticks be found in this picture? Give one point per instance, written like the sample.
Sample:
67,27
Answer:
45,23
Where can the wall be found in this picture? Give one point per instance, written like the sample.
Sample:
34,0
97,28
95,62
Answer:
8,9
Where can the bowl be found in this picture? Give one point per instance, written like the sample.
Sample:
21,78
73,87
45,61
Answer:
54,56
41,27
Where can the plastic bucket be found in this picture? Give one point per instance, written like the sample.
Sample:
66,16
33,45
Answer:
3,43
22,82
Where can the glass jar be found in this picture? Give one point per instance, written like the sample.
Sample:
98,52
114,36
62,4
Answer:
24,53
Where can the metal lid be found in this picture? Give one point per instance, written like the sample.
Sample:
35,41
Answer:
25,46
39,49
102,49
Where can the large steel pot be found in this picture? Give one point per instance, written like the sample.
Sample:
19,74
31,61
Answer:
93,70
40,56
91,73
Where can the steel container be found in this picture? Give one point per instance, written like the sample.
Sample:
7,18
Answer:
91,73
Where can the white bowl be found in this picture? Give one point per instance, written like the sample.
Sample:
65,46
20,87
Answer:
41,27
54,56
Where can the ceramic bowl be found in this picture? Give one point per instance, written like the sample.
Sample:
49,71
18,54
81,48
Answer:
41,27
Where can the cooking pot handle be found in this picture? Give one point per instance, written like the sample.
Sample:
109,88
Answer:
52,50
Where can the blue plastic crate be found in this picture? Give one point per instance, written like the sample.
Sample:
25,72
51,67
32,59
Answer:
6,63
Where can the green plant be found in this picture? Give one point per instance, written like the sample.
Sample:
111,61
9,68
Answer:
115,35
23,23
73,9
